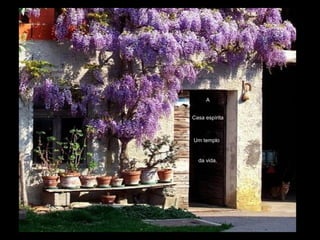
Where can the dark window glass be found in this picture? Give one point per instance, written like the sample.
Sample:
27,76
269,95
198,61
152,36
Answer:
54,126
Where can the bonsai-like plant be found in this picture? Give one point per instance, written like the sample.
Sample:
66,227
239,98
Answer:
50,153
160,151
131,166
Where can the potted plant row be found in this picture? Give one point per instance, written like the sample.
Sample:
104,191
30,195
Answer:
74,149
161,153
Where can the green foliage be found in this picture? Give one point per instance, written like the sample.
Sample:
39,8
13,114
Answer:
99,17
22,11
160,150
37,68
50,153
74,149
92,66
91,164
152,212
80,217
109,219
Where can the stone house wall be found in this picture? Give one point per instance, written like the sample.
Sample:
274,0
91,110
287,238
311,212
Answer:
244,126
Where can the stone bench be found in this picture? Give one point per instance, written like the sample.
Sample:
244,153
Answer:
161,194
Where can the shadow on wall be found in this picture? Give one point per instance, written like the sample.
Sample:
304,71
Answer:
222,74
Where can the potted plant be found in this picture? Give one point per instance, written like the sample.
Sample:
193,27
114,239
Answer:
104,181
108,198
159,151
131,175
89,180
50,154
116,181
75,150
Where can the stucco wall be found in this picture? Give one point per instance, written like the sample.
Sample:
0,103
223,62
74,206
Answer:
25,146
166,127
67,65
244,124
243,133
70,66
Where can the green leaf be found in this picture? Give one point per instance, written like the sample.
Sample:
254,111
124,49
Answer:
40,132
51,138
22,11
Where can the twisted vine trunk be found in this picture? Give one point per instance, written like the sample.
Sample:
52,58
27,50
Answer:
124,159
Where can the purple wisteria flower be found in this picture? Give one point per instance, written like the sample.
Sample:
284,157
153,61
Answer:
156,50
33,12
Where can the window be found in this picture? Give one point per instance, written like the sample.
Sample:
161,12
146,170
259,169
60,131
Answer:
54,124
269,158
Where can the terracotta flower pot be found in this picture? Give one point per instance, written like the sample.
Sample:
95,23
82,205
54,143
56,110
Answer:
131,177
165,175
116,182
104,181
50,181
70,180
108,199
88,181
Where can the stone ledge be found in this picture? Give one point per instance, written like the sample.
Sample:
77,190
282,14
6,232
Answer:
140,186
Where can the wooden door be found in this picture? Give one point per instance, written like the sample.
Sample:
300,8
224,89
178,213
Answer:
207,146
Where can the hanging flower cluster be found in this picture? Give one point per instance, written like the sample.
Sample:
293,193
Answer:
159,49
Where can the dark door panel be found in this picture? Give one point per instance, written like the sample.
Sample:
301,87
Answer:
207,146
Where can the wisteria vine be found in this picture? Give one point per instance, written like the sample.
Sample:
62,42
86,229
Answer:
158,49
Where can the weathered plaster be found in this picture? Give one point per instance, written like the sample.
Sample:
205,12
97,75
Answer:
244,131
69,65
244,123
